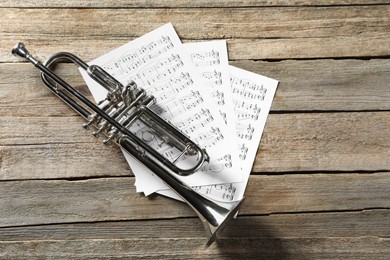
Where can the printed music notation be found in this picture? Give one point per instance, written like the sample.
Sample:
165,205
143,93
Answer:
219,97
226,192
209,60
212,77
244,99
170,106
247,89
157,63
243,151
224,116
209,138
252,103
217,166
245,131
246,110
248,99
170,89
200,119
205,58
134,59
159,70
252,99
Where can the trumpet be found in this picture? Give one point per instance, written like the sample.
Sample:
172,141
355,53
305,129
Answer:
114,117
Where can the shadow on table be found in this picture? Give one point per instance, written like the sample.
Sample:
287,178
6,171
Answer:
249,238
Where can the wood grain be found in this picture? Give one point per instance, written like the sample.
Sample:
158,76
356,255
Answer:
325,141
326,85
239,49
365,223
181,3
265,33
107,199
193,248
315,235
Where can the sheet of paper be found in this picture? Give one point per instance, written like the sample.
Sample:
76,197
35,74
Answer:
156,64
210,62
252,99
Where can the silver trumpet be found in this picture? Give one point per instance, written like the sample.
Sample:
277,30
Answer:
114,117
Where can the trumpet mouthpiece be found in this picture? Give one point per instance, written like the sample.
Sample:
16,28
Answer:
20,50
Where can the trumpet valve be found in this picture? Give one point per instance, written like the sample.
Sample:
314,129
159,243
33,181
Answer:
149,100
87,124
99,130
108,140
111,135
128,93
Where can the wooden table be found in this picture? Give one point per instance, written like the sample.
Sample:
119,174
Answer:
320,186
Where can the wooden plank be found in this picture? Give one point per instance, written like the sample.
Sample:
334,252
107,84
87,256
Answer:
257,33
277,234
305,85
112,199
320,85
239,49
180,3
372,223
40,130
57,147
308,48
61,160
325,141
268,248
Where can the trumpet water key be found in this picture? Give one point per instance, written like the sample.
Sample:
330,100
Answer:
113,118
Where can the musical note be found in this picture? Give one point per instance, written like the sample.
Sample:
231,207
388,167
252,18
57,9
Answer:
246,110
245,131
132,60
159,70
174,86
219,96
210,137
225,192
218,165
206,58
224,116
247,89
198,120
170,108
168,91
243,151
214,77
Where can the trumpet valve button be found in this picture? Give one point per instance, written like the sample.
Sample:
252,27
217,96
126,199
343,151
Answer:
108,140
86,125
91,119
97,132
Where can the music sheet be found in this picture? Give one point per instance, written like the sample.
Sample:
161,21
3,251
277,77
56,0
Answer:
210,62
252,96
156,63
